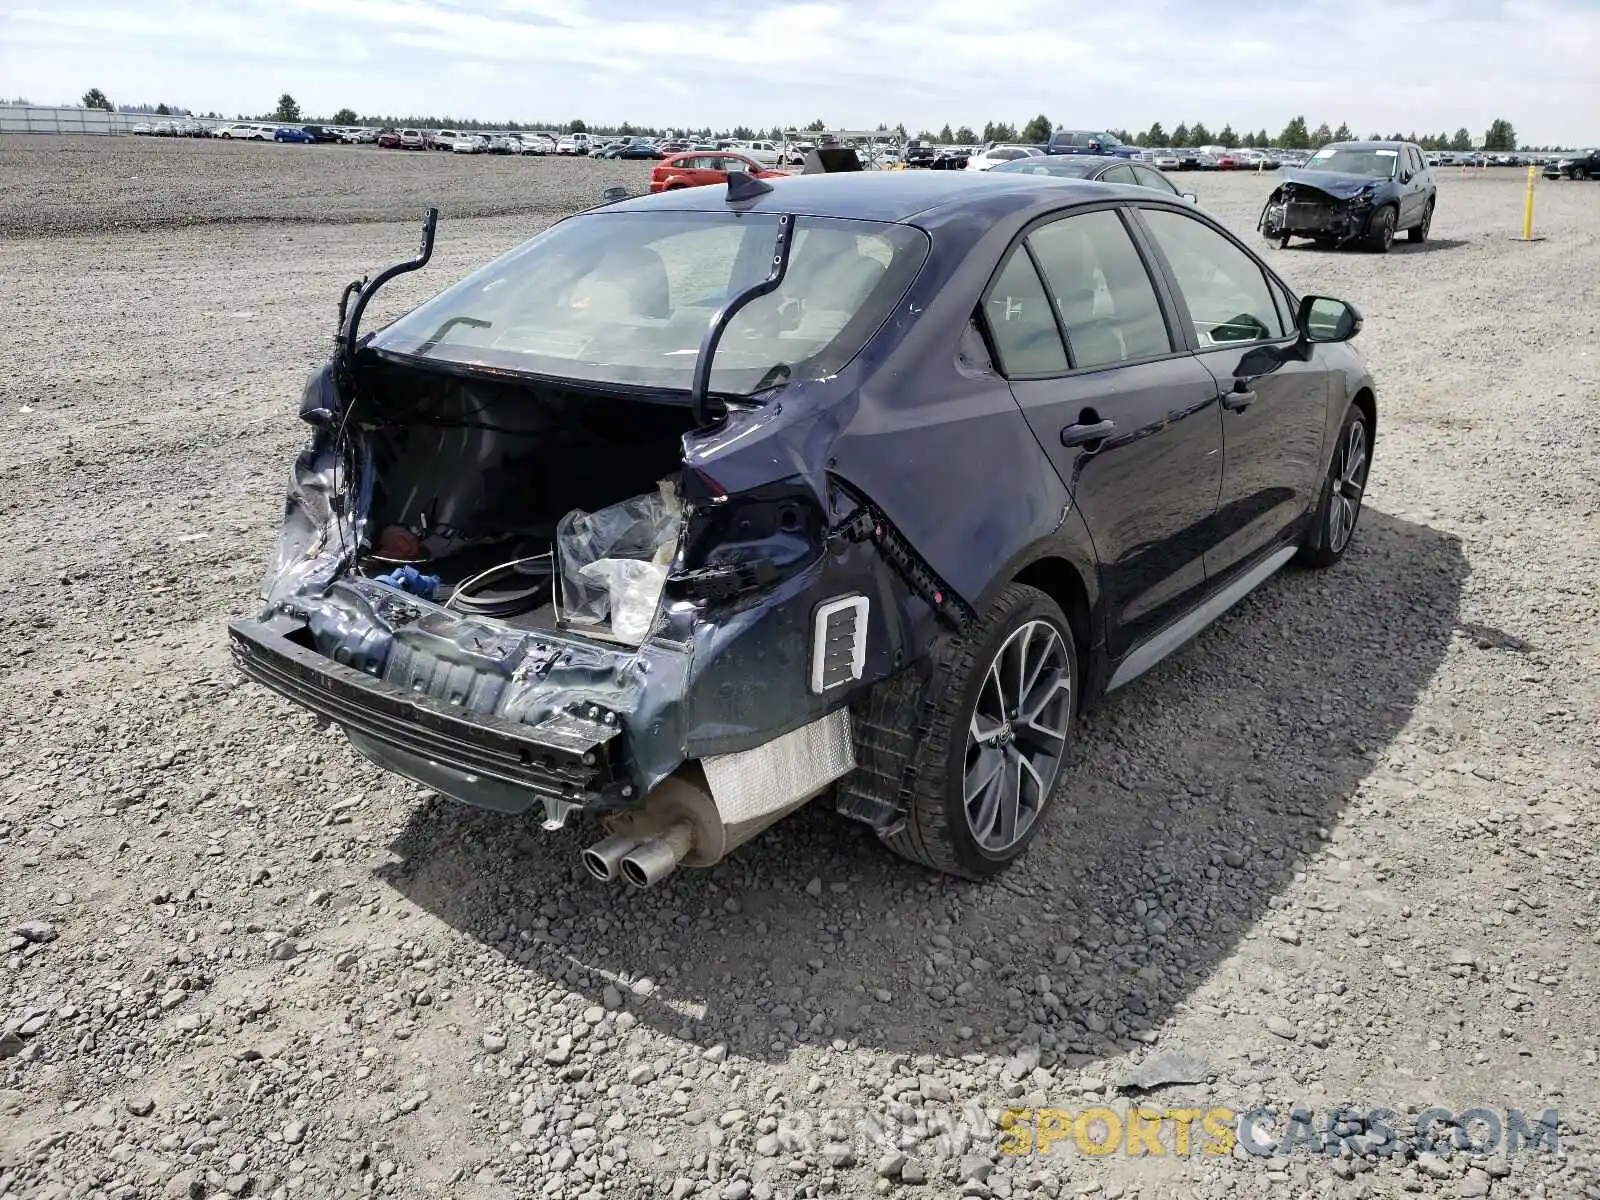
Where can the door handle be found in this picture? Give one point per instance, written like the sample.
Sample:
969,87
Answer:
1082,434
1238,400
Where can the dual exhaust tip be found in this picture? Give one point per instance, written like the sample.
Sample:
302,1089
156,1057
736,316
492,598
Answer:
641,862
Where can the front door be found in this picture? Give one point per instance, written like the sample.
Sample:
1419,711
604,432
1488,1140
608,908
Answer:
1128,418
1274,405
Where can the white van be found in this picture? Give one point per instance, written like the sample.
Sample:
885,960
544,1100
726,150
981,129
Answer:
574,143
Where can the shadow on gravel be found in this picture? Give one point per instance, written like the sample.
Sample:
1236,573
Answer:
1431,246
1198,793
1401,246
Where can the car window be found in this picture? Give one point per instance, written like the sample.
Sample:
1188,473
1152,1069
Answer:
1223,286
1100,286
1145,177
1121,173
626,297
1020,321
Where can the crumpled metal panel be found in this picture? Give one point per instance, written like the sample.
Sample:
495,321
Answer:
782,773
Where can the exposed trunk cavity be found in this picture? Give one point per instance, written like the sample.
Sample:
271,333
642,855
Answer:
473,475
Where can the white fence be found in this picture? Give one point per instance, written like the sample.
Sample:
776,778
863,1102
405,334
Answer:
17,118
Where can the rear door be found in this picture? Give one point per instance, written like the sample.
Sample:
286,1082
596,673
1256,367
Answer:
1274,406
1127,416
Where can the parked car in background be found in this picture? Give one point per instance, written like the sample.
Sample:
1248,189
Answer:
321,133
1226,161
1098,167
388,139
1088,141
538,143
235,131
1166,160
413,139
1583,165
766,153
574,143
920,153
441,139
700,168
994,155
638,148
469,143
1348,192
1139,423
292,133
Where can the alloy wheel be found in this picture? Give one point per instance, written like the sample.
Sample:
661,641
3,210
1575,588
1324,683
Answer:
1349,483
1017,736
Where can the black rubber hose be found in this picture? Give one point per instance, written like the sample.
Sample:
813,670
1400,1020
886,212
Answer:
532,588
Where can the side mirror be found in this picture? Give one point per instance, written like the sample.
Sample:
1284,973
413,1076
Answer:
1190,197
1405,176
1324,319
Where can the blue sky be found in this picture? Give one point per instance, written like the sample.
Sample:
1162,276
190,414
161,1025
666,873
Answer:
1423,65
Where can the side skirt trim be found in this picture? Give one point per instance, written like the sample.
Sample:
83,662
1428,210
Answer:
1148,653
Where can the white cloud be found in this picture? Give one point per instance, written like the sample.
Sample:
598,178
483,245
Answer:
1423,65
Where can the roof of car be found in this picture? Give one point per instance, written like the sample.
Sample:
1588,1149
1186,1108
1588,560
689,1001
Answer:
886,195
1378,145
1078,164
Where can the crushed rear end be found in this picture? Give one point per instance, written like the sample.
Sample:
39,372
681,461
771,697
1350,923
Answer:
578,595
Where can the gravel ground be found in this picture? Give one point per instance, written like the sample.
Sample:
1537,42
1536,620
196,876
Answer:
94,184
1338,852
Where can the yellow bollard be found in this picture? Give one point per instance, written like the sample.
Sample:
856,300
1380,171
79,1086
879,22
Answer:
1527,209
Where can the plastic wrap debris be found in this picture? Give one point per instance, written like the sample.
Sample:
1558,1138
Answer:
409,579
632,588
614,561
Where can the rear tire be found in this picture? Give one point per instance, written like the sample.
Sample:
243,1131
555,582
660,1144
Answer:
1420,233
1333,522
1004,699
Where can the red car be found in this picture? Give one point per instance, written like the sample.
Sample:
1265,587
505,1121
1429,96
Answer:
696,168
1227,162
389,139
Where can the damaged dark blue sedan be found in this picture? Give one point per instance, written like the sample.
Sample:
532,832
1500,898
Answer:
700,506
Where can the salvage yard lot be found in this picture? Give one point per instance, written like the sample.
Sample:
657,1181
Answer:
1340,851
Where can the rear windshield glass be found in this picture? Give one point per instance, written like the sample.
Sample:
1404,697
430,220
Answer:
1379,164
626,297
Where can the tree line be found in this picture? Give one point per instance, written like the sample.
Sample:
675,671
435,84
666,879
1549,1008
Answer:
1295,136
1500,136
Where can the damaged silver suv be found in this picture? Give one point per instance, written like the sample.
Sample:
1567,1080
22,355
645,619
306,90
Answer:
699,506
